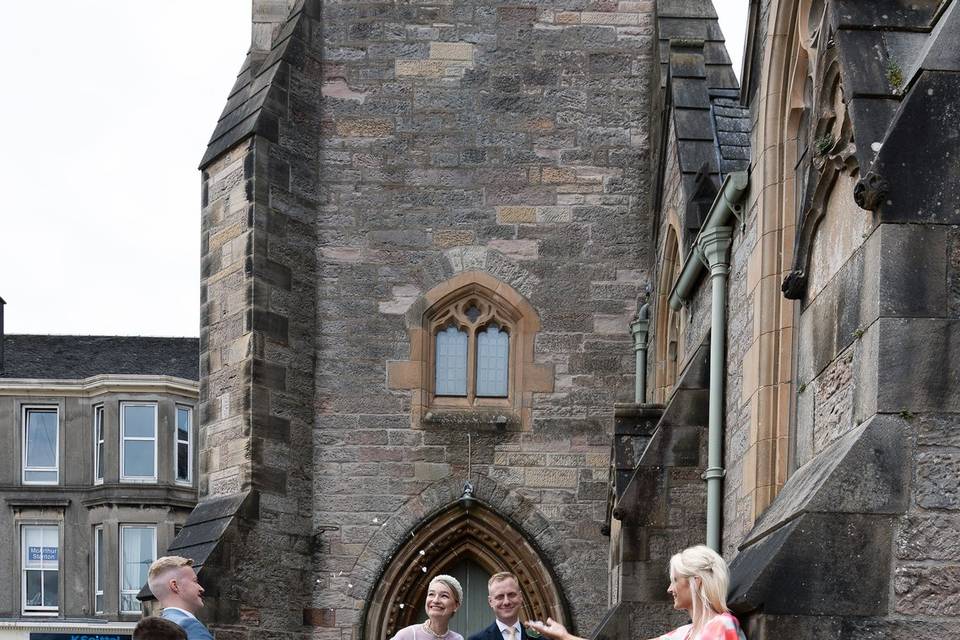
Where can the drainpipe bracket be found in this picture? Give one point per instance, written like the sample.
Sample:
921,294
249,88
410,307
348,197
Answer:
713,472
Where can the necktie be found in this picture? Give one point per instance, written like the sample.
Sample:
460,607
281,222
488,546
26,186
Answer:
511,633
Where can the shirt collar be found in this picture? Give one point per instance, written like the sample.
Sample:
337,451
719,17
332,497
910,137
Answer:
183,611
502,627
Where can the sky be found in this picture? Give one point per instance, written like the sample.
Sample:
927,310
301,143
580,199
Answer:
108,108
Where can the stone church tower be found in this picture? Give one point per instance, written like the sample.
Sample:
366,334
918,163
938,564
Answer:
425,230
537,286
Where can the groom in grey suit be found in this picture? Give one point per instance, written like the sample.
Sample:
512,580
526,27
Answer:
174,583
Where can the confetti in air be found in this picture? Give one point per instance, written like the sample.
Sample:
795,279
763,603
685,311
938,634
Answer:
401,605
424,569
422,552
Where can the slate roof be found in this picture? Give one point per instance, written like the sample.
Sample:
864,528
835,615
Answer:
259,96
76,357
712,130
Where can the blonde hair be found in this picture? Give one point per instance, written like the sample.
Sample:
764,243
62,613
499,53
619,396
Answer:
500,576
709,590
161,565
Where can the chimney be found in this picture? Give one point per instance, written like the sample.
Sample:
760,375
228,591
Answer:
2,338
268,17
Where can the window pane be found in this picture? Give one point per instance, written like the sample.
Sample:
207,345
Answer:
98,576
41,438
451,362
138,421
34,595
183,461
51,589
137,556
40,476
138,551
493,349
138,458
98,443
98,603
100,461
183,424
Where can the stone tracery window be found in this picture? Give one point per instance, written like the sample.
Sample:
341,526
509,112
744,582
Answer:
471,355
471,350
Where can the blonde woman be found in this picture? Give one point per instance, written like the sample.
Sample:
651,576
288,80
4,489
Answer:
444,596
698,583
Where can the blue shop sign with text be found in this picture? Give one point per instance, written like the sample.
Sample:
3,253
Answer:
79,636
42,553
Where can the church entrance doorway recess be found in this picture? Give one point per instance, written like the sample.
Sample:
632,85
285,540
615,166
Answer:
470,541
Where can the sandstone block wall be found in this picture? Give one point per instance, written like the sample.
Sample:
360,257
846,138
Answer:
490,136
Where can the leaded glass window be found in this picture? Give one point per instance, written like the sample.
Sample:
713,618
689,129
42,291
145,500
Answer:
493,356
451,362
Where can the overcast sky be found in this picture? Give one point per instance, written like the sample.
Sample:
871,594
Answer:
107,109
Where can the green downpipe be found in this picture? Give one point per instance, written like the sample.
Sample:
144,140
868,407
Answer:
640,329
711,250
715,245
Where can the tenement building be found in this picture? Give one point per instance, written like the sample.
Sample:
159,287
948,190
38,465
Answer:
542,287
97,475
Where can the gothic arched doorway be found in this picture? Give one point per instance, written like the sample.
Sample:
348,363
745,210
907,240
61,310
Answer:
470,541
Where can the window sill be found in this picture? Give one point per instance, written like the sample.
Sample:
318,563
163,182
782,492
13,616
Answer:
475,419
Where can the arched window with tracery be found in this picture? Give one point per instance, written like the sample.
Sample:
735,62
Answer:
471,355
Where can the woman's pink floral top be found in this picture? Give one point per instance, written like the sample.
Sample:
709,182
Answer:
721,627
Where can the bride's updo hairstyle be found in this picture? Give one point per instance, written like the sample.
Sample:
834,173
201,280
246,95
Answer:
707,576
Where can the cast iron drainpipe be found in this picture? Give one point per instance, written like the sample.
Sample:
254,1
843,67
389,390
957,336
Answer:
712,249
639,327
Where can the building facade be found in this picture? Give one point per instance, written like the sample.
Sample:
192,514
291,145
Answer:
441,241
98,476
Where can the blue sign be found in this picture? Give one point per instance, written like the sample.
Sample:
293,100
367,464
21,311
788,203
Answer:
77,636
42,553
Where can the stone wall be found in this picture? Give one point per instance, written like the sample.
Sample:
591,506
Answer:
257,357
398,146
476,136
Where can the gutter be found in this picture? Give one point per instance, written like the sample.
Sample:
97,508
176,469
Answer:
711,249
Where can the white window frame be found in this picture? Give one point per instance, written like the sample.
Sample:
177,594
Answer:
24,411
124,438
99,442
176,443
38,611
99,544
122,563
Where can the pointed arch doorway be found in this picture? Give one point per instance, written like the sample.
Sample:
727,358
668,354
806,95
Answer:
470,541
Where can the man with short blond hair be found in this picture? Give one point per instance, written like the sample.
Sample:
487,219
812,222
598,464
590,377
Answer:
174,584
506,600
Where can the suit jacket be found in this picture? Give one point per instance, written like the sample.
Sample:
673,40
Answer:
493,633
194,628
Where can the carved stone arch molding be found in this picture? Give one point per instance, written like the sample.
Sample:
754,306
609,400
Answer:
834,154
471,529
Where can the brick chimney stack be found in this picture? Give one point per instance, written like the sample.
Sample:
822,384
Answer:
268,16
